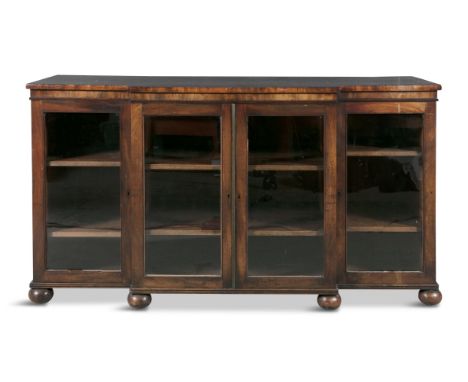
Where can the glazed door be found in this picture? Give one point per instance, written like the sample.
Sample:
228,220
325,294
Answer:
185,156
78,167
389,204
285,197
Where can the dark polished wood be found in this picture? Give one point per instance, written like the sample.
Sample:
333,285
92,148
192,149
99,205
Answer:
233,84
233,100
430,296
41,295
329,302
139,301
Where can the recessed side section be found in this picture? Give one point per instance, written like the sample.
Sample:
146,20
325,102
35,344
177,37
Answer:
384,198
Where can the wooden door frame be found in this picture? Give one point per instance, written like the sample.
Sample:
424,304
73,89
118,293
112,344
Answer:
160,283
327,281
391,279
43,277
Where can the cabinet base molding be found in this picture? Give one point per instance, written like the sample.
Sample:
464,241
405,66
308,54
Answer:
235,291
388,286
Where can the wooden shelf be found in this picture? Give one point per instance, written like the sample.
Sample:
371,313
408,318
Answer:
188,166
184,163
83,232
275,231
112,159
112,229
182,231
305,165
177,231
103,159
354,224
294,223
360,223
207,163
283,162
370,151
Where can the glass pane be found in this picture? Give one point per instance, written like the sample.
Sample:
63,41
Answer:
285,256
183,255
83,191
183,235
381,251
287,140
79,253
400,131
384,200
285,188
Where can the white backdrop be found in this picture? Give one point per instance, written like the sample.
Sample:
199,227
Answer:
376,335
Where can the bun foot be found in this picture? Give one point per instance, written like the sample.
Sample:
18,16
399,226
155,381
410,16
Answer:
138,301
41,295
329,302
430,297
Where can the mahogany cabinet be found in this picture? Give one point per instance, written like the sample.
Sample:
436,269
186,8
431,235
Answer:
233,185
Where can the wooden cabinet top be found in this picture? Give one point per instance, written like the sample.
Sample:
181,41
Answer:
234,84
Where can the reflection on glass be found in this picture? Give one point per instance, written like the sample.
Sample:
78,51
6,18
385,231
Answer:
285,188
183,200
182,197
285,140
401,131
285,201
185,141
384,184
83,191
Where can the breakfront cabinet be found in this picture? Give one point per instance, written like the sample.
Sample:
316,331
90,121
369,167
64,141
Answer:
233,185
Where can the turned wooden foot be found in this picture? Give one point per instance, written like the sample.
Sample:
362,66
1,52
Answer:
41,295
138,301
430,296
329,301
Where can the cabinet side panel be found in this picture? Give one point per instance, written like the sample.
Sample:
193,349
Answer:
39,190
429,196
